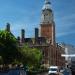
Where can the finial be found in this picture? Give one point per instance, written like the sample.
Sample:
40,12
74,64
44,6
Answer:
47,2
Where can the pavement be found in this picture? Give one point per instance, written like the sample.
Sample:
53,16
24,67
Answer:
14,72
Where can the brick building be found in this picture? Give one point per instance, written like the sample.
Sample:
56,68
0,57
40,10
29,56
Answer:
46,42
53,51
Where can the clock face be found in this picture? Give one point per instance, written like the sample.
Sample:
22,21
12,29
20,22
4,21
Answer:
47,16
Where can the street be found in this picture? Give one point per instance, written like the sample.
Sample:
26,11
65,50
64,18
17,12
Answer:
21,72
64,73
46,73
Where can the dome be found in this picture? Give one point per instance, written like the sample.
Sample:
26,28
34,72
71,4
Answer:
47,5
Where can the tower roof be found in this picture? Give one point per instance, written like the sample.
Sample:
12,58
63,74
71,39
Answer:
47,5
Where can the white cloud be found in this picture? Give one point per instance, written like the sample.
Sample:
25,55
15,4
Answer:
64,33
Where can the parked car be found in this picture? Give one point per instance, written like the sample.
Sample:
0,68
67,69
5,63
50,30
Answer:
53,70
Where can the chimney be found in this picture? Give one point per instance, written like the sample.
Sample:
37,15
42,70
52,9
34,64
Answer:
36,34
22,35
18,39
8,27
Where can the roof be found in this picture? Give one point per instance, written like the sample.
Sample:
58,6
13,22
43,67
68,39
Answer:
53,67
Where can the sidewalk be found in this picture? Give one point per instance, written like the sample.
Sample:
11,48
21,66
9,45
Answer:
14,72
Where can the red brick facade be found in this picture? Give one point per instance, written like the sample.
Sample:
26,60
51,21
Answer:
48,31
52,53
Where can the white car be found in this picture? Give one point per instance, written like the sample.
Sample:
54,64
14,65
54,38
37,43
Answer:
53,70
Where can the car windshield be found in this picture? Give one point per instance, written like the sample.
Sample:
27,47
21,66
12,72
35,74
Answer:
53,69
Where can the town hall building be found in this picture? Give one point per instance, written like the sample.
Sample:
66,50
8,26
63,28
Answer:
46,42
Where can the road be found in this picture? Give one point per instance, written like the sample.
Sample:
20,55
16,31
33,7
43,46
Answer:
46,73
22,72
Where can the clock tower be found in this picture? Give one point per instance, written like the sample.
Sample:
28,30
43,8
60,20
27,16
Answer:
47,23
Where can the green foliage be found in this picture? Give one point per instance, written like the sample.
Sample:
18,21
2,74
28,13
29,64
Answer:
31,57
8,47
12,54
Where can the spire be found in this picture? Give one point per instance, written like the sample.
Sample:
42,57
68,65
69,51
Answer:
47,5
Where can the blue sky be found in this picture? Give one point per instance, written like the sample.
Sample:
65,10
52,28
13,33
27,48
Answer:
26,14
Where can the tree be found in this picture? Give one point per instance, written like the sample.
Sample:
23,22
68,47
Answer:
8,47
31,57
10,52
